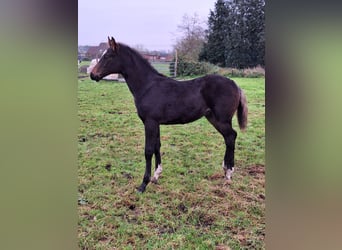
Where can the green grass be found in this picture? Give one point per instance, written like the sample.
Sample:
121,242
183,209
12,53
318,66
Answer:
191,207
84,63
162,67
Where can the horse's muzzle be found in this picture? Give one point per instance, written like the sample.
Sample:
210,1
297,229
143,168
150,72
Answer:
94,77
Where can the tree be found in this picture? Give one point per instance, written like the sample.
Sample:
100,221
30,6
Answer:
192,38
214,49
236,34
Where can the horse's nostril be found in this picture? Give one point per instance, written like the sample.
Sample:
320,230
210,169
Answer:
94,77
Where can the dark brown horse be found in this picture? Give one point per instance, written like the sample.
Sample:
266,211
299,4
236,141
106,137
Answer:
162,100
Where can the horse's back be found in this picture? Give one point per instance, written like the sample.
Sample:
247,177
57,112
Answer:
219,81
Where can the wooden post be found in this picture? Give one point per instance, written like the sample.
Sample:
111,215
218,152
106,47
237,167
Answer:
176,60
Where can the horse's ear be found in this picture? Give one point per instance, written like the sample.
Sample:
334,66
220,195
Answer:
112,44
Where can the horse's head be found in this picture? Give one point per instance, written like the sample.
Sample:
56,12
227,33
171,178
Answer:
109,62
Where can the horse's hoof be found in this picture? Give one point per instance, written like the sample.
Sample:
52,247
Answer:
140,190
154,180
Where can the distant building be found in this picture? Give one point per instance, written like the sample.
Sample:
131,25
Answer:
156,56
82,50
95,52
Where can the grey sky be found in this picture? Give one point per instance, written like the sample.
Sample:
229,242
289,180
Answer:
151,23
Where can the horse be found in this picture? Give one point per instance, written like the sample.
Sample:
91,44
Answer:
161,100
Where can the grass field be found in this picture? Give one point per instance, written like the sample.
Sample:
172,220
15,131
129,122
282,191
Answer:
191,207
84,63
162,67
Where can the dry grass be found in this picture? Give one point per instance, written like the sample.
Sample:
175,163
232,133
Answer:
249,72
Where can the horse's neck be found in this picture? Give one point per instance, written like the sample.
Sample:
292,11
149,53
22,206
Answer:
138,77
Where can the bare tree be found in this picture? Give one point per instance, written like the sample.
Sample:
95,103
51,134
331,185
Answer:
192,37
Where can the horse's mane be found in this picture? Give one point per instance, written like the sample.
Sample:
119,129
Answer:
137,58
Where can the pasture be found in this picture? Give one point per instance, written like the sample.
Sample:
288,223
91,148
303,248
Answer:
191,207
162,67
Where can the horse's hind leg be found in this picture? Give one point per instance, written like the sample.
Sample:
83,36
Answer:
229,135
228,163
158,166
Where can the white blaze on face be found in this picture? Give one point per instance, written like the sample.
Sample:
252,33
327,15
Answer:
157,173
104,52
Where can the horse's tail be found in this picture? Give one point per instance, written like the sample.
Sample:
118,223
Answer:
242,111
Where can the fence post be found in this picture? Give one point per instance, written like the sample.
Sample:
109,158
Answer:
173,66
176,60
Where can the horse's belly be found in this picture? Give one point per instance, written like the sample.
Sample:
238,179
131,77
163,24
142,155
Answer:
181,116
174,108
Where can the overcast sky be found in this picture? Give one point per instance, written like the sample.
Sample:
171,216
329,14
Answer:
151,23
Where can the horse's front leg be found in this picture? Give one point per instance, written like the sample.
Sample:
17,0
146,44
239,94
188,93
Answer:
158,168
151,135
